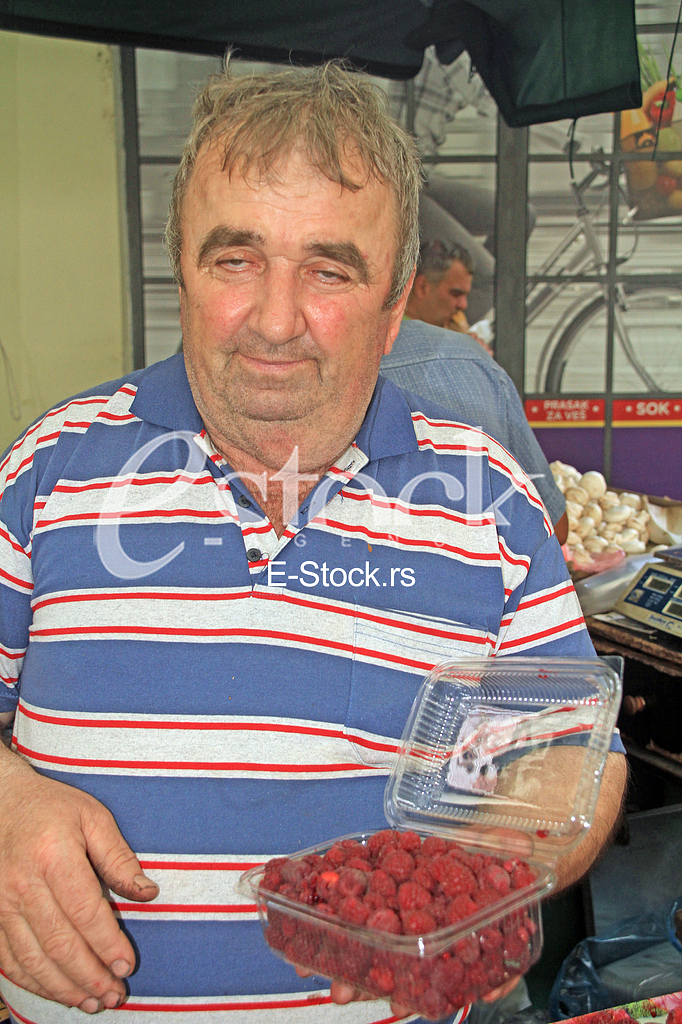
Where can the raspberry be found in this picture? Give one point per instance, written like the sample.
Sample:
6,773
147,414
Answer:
410,841
381,839
491,938
272,874
412,896
434,845
495,876
433,1005
477,976
447,975
359,864
374,901
522,876
294,871
351,882
385,921
484,897
380,881
456,879
326,882
674,1015
335,856
423,875
353,910
352,847
461,907
399,864
382,979
467,949
418,922
494,968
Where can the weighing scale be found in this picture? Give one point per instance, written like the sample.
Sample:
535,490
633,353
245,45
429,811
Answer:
654,596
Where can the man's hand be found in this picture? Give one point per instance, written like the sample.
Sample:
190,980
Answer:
59,937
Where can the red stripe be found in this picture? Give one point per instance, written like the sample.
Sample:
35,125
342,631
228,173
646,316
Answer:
521,560
280,1004
543,633
146,514
12,657
186,908
204,766
274,1004
410,510
373,535
531,602
115,416
14,579
181,865
132,481
11,542
256,633
226,726
302,602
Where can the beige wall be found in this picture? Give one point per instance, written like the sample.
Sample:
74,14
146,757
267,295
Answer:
63,305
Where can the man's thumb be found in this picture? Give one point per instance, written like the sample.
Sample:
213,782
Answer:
115,862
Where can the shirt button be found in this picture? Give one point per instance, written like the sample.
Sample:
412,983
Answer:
253,555
243,501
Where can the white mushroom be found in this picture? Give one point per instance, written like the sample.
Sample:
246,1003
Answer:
577,494
594,510
617,513
612,549
573,539
629,498
595,544
573,509
594,483
608,499
633,547
608,530
586,526
626,535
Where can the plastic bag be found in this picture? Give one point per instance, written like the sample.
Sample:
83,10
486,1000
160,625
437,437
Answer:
584,984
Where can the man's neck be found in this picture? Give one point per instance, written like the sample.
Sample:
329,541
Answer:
279,476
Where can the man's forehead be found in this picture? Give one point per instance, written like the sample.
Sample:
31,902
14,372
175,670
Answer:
291,169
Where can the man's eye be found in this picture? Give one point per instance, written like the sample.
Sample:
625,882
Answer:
234,263
331,276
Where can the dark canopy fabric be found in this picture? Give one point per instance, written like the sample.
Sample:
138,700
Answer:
541,59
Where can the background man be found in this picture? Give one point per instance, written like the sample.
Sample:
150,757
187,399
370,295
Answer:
196,684
441,287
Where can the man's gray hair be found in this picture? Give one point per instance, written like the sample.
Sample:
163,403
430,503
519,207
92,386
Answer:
330,112
436,258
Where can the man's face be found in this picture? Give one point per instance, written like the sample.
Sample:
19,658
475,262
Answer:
284,282
442,301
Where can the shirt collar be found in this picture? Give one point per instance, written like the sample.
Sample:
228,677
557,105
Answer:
164,397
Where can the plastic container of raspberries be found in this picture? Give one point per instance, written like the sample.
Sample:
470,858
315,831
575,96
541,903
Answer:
497,776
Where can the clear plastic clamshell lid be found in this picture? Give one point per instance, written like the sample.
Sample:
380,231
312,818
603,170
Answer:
506,754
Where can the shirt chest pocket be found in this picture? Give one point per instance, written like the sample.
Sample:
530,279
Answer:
391,658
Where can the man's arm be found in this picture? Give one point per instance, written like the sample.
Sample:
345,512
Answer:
59,937
572,866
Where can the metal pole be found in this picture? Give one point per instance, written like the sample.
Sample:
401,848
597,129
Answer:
131,147
611,272
511,201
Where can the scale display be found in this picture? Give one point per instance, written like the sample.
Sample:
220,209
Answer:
654,596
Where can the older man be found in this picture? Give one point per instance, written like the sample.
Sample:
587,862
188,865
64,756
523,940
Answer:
224,577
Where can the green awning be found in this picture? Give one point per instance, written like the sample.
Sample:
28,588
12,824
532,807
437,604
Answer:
542,60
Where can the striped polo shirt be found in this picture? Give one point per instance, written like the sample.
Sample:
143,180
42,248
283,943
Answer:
230,695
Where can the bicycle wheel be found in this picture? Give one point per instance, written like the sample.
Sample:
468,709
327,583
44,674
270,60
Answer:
652,323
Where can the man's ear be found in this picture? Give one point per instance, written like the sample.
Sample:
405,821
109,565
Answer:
421,286
397,315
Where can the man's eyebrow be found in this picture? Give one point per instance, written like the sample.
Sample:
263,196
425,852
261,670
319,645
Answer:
222,238
342,252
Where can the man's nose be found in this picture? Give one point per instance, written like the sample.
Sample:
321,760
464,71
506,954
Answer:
277,313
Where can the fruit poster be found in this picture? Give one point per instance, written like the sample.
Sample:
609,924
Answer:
654,133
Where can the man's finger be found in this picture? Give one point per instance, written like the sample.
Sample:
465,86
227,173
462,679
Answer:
46,968
112,858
